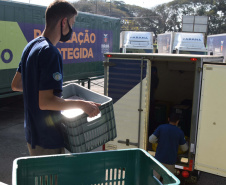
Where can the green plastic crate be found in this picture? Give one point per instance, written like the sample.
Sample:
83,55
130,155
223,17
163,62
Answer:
81,135
119,167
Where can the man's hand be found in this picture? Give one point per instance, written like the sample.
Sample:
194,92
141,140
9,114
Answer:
91,108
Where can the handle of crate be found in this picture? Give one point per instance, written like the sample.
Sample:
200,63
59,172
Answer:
95,118
103,111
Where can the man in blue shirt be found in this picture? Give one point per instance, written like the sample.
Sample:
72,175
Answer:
40,77
169,137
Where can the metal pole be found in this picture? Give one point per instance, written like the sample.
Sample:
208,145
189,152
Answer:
96,6
140,109
105,77
110,7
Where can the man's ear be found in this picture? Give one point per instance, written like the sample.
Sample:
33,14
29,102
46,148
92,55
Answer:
63,22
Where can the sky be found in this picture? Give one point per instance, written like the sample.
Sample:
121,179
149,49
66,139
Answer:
141,3
146,3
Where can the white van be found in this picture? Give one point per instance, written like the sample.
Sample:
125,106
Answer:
216,45
181,43
136,42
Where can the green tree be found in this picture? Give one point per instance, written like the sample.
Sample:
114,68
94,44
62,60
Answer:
162,18
214,9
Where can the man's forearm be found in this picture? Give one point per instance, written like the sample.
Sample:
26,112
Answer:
48,101
16,84
57,103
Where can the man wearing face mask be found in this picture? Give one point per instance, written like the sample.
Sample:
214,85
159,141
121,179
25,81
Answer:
40,77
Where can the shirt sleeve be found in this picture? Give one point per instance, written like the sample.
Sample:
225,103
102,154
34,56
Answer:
51,72
153,139
157,132
182,139
184,147
19,68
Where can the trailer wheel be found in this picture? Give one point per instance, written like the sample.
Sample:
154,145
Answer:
195,175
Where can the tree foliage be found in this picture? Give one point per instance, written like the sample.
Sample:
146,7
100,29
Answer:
162,18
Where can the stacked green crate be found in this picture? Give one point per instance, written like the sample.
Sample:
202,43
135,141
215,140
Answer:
124,167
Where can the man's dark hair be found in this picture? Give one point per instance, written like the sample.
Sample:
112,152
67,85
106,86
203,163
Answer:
174,117
57,10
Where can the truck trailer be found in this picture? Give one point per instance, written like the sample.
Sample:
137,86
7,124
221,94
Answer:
216,45
181,43
145,88
83,54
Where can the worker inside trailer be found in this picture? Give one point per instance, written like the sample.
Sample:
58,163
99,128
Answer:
169,137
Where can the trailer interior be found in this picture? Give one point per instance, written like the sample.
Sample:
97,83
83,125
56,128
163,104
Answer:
172,89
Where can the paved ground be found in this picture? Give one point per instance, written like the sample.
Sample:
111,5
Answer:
13,145
12,139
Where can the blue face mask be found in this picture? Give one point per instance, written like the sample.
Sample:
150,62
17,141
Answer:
65,38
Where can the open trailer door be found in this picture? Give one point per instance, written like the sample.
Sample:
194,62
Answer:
126,82
210,148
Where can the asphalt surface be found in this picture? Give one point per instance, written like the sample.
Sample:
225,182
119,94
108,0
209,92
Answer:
12,139
13,144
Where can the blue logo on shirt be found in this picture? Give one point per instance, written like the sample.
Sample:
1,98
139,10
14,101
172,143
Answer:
57,76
